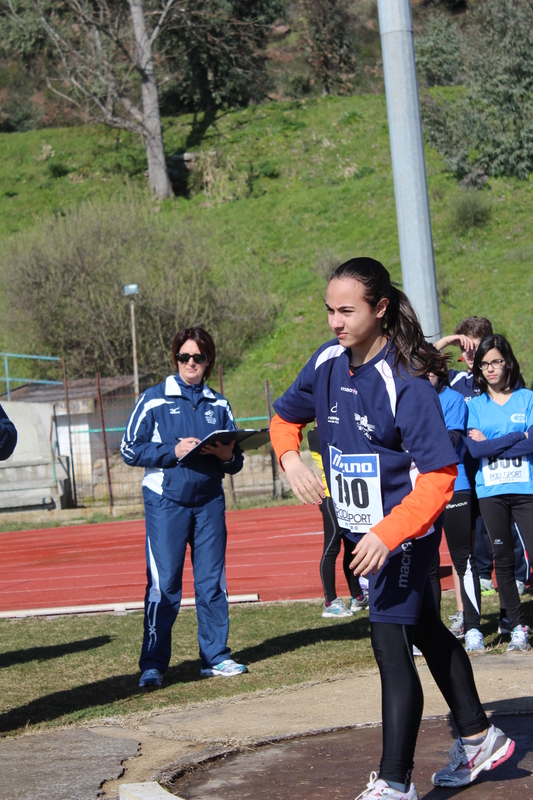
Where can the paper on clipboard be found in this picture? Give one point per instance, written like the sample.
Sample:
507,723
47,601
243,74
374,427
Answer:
247,439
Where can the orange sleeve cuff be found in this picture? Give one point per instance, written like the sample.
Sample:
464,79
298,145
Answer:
416,513
285,435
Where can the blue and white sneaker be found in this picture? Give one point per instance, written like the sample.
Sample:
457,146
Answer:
151,677
519,640
468,760
336,609
226,669
359,603
474,641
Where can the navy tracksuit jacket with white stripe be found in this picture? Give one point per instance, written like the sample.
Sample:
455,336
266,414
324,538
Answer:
183,504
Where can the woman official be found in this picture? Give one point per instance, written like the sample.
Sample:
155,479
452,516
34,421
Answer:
184,503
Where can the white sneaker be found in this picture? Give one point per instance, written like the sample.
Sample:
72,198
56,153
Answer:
226,669
378,789
474,641
521,586
468,760
336,609
487,586
519,640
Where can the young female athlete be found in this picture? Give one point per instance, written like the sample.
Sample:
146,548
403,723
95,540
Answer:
500,424
391,468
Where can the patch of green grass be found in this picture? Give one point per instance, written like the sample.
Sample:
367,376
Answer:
64,670
315,177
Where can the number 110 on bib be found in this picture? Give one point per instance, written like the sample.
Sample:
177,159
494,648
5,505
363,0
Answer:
356,489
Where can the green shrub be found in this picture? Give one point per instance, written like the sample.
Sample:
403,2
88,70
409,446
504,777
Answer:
63,290
469,210
438,51
490,126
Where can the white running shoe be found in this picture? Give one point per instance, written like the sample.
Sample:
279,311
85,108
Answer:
226,669
378,789
519,640
468,760
458,625
151,677
358,604
474,641
521,587
336,609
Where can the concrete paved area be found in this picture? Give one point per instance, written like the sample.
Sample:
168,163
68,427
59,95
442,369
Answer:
171,740
64,765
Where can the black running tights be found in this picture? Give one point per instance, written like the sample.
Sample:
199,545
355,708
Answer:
401,691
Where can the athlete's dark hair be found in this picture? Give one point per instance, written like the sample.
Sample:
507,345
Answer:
497,342
205,343
478,327
400,323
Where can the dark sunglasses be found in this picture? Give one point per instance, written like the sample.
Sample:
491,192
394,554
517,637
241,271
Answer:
184,358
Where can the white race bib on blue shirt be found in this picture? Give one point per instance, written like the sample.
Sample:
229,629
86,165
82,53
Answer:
356,490
505,470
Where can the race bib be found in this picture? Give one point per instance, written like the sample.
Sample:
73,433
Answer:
505,470
356,490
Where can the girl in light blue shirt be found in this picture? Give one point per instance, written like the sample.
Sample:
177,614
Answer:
500,427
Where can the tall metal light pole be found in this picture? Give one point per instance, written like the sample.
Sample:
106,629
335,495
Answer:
133,289
408,165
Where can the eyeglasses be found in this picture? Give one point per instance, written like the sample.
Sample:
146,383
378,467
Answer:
496,364
198,358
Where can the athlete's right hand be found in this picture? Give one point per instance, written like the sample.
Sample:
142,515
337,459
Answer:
307,487
184,446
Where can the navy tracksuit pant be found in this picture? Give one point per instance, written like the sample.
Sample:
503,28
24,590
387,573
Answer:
169,528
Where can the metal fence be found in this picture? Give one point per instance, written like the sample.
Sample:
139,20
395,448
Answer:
70,432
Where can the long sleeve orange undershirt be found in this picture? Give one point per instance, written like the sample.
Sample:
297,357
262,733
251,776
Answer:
413,516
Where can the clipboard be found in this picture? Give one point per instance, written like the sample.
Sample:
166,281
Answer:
247,439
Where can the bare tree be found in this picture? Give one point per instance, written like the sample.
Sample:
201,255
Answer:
103,57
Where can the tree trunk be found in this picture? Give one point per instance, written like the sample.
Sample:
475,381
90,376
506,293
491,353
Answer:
155,151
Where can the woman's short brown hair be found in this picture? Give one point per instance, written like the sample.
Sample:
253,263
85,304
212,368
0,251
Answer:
205,343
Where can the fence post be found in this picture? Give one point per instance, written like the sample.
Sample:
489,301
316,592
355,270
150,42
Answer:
6,370
276,482
104,440
65,386
221,390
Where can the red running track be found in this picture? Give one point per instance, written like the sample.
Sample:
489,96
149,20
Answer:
274,552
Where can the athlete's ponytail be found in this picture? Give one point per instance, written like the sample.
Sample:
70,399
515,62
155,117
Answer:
400,323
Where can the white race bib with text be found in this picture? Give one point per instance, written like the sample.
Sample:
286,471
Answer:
356,490
505,470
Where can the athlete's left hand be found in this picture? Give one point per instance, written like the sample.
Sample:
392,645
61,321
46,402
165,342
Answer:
222,451
369,555
476,435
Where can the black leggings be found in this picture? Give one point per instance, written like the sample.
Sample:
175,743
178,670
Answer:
458,531
332,546
401,691
499,513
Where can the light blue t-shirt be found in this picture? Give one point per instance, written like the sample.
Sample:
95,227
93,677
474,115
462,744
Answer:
505,466
455,412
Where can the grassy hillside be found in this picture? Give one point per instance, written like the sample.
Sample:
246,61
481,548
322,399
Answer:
314,181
